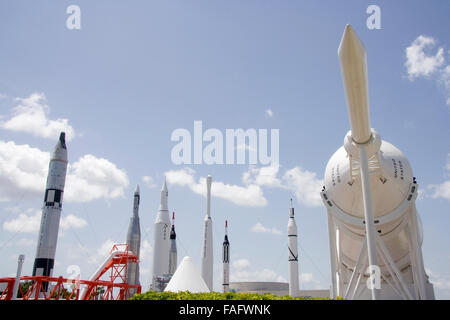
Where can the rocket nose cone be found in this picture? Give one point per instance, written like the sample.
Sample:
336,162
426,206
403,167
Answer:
62,140
60,151
137,189
353,61
351,46
164,187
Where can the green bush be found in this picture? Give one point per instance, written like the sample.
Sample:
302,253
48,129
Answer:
186,295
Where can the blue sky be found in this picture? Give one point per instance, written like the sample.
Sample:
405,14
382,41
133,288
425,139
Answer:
135,72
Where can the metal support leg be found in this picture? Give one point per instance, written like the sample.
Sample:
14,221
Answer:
368,214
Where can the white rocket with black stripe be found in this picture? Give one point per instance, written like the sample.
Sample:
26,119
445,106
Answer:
51,211
134,243
226,260
161,241
293,254
173,256
207,248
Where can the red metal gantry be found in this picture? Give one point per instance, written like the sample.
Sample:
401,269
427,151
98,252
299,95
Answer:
115,288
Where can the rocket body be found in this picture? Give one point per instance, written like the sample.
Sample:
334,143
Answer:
207,248
161,240
226,261
51,210
173,256
134,243
293,254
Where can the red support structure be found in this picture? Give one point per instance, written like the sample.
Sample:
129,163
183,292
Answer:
116,287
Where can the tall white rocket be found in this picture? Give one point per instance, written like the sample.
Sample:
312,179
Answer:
161,239
226,260
134,243
293,254
173,257
51,211
207,248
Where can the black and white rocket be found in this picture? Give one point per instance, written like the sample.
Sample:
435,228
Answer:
51,211
161,240
134,243
226,260
207,248
293,254
173,259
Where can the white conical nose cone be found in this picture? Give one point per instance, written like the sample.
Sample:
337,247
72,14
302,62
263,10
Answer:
136,191
187,278
352,57
164,198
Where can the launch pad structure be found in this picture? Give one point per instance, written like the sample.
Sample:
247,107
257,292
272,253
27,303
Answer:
59,288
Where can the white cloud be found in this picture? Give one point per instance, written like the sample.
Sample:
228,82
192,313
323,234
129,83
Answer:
257,275
92,178
30,115
27,222
307,281
442,190
305,185
149,182
250,195
23,172
30,220
73,222
101,252
439,281
264,176
240,264
418,62
269,113
240,271
259,228
146,252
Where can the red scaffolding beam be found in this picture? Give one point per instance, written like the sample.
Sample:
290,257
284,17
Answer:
115,288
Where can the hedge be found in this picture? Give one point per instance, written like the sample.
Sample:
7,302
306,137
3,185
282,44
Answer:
186,295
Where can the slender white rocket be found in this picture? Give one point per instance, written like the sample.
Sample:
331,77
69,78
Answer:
173,259
134,243
161,239
207,248
18,273
293,254
226,260
51,211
